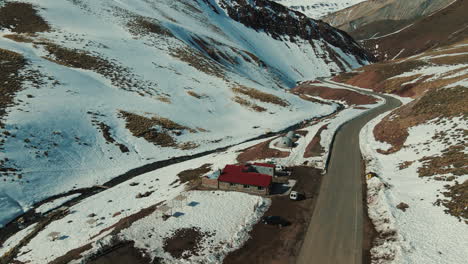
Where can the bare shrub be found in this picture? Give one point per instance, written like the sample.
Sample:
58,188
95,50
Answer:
248,104
259,95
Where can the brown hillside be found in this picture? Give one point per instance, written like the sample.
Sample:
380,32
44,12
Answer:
318,89
382,77
380,17
445,27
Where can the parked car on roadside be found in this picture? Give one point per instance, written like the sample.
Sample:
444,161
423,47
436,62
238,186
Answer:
280,168
275,220
296,196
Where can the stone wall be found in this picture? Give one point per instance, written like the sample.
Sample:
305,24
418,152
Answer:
240,188
209,183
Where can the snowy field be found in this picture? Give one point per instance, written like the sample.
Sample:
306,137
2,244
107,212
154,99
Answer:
226,216
423,232
93,219
318,8
87,220
57,144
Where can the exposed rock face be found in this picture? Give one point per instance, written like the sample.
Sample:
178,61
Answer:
283,23
380,17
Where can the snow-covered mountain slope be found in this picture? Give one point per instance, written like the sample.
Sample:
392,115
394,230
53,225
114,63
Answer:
318,8
95,88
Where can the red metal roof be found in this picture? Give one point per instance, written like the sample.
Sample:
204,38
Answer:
238,174
264,165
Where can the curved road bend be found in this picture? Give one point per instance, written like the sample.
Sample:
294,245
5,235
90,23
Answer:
335,232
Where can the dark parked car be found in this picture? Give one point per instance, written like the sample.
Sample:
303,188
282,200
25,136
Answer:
275,220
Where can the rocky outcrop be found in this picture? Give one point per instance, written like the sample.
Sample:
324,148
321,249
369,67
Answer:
283,23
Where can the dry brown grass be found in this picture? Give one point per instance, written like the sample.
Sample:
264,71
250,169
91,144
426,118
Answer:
456,201
248,104
164,99
450,55
160,121
106,132
436,103
76,58
314,148
197,60
22,18
193,175
20,38
119,76
157,130
453,160
11,65
144,26
327,93
194,94
259,95
451,60
405,165
313,100
377,76
260,151
185,242
447,102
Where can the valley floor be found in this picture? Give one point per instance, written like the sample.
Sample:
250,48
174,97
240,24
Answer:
129,211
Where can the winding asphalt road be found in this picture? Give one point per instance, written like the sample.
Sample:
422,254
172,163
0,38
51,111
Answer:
335,232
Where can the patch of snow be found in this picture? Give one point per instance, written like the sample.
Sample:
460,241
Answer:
436,71
318,8
398,54
424,233
46,207
15,239
390,34
9,209
228,216
463,83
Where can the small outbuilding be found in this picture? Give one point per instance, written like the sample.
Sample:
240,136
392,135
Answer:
285,142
